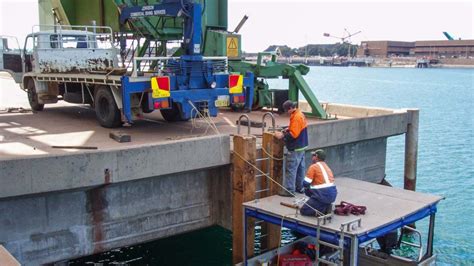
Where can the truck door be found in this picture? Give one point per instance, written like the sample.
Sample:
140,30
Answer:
30,43
10,57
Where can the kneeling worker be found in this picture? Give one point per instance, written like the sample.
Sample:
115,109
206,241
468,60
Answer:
319,186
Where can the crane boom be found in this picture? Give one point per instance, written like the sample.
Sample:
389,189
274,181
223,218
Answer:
448,35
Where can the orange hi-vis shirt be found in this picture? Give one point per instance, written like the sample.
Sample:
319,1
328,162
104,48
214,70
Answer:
319,175
296,138
297,123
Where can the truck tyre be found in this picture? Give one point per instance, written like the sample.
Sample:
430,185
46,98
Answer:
106,110
173,114
33,97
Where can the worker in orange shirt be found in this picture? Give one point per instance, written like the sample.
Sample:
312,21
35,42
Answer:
296,140
319,186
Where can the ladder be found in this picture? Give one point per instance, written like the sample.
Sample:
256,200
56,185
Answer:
336,257
262,188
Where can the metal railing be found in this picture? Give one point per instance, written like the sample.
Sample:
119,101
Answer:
158,65
72,36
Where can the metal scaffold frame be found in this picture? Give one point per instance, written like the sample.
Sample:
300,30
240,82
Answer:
347,232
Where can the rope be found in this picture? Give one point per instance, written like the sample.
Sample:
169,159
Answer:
279,242
318,213
271,156
206,117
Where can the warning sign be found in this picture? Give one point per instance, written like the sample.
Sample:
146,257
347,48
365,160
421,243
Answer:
232,47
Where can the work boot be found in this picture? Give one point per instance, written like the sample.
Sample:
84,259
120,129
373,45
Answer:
285,193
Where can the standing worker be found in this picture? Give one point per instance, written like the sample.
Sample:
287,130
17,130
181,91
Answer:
319,184
296,140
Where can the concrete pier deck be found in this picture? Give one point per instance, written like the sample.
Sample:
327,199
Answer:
31,134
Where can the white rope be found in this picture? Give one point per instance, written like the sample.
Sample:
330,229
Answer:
206,117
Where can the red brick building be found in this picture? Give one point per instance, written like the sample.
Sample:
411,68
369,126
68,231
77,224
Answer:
433,49
444,49
384,48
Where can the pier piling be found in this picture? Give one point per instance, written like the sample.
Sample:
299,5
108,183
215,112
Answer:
274,166
411,149
243,190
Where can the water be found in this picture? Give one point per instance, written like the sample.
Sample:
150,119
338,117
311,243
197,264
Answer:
445,98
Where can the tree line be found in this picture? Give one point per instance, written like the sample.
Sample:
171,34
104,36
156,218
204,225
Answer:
337,49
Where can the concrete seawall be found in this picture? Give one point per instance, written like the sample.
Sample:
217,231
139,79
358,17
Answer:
60,206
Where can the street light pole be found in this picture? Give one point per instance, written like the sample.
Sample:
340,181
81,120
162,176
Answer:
344,39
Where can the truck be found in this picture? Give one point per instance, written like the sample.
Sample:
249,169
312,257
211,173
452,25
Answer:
125,68
80,64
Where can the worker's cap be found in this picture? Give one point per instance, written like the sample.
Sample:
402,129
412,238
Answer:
287,105
320,153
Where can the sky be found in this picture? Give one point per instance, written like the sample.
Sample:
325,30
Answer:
298,22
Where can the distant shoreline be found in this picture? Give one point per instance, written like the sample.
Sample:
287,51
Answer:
395,62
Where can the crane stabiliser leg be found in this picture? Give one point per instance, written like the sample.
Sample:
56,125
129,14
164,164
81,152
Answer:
297,83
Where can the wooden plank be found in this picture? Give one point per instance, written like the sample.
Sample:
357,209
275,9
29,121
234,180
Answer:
243,190
6,259
274,147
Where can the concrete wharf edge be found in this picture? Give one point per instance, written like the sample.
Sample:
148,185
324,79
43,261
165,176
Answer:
80,170
57,172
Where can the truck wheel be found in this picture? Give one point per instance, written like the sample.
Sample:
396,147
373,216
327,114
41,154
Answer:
106,110
33,97
173,114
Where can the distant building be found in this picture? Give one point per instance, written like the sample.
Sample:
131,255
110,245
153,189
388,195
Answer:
433,49
384,48
444,48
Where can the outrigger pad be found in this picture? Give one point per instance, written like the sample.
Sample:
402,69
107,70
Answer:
120,136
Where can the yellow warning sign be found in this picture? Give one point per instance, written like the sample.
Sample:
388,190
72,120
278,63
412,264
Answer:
232,47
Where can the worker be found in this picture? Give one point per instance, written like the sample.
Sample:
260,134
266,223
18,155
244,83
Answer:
296,140
319,186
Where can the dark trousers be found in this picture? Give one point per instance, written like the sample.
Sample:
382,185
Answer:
319,199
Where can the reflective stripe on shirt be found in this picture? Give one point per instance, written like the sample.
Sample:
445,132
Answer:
327,183
325,174
322,186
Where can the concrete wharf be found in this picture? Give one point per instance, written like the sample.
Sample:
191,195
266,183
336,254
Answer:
59,204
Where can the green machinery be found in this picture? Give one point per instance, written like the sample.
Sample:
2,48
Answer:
152,34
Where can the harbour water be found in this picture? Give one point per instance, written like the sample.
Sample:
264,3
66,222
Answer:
445,98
